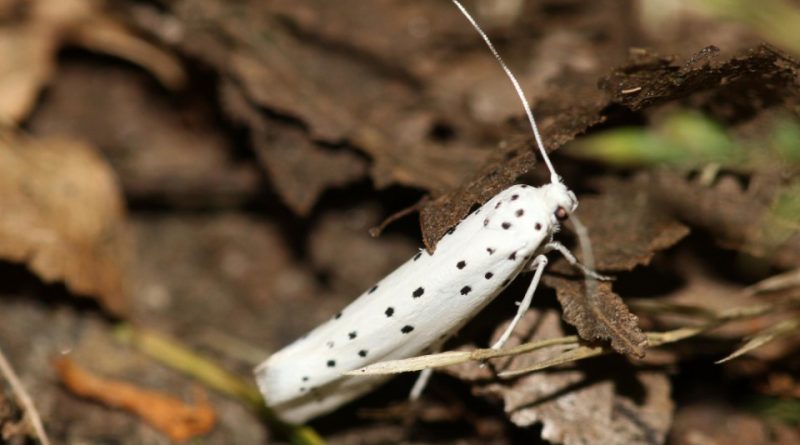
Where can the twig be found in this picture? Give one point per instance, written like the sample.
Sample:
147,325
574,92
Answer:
24,399
377,230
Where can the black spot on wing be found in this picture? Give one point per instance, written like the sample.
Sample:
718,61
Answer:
465,290
461,264
389,311
418,292
416,257
362,353
506,225
352,335
519,213
406,329
373,289
331,363
488,275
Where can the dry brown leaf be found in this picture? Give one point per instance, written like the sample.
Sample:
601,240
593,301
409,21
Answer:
586,403
171,416
61,214
445,211
627,226
601,316
335,96
561,117
163,150
300,169
655,80
737,218
359,95
29,43
626,229
650,80
369,259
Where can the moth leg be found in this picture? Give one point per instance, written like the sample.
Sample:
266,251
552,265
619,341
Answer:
425,374
420,384
555,245
540,262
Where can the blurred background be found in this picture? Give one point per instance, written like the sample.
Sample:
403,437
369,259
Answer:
188,185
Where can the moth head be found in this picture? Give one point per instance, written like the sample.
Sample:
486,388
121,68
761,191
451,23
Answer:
560,201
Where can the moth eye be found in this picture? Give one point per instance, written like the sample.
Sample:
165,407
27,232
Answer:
561,214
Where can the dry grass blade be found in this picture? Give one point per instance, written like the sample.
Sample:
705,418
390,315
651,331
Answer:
655,307
414,363
449,358
584,352
786,280
675,335
577,353
572,355
780,330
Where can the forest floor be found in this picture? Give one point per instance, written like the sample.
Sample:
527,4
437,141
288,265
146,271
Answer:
186,186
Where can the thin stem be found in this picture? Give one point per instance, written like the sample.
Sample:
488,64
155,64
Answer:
24,399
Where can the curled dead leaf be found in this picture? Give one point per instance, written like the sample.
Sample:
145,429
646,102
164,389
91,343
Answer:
171,416
29,44
62,215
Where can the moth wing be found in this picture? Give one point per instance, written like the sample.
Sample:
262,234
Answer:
326,398
356,338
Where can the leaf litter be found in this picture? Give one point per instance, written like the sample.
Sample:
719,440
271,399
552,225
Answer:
301,90
35,31
580,405
63,216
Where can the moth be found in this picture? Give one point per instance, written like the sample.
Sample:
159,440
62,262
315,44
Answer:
426,300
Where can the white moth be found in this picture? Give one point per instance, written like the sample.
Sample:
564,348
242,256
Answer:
427,299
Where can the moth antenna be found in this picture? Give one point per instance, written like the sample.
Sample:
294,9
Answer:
553,175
